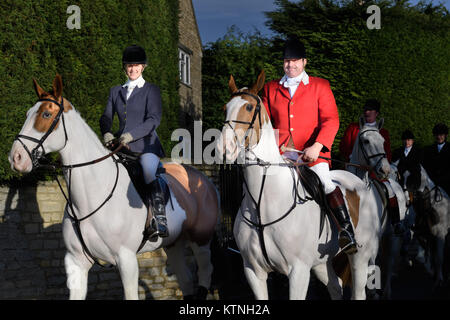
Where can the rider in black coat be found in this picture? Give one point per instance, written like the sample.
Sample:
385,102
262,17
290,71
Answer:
436,158
409,156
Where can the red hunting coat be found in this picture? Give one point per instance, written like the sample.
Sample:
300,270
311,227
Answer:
349,138
310,116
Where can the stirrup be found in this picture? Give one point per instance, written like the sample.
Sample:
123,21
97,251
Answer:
347,242
399,229
159,227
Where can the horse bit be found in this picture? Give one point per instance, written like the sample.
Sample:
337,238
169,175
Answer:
35,155
382,155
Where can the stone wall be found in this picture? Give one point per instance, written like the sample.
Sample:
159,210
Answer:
32,251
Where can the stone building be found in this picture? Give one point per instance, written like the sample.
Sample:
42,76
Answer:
190,65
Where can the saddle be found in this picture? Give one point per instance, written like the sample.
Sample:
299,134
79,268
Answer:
130,160
314,188
384,194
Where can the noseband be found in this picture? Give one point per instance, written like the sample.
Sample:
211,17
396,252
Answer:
250,123
35,154
381,155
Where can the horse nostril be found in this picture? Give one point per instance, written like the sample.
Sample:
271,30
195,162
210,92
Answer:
17,157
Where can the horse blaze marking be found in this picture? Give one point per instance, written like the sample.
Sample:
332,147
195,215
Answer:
353,205
41,124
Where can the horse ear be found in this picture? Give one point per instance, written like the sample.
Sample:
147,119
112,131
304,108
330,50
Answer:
362,122
380,123
259,83
57,86
232,85
39,91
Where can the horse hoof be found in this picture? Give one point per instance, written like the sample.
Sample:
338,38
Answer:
202,293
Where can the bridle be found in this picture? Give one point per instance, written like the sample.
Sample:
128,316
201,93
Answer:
35,154
257,113
381,155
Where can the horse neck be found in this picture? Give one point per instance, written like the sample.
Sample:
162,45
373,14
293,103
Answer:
267,147
275,176
425,180
357,158
86,182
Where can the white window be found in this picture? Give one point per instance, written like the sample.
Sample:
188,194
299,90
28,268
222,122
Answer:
185,67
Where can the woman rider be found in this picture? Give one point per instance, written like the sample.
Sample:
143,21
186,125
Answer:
137,104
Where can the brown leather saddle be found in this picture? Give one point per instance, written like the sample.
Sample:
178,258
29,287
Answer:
130,160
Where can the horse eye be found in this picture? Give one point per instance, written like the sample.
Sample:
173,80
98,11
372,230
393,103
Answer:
366,141
249,107
46,115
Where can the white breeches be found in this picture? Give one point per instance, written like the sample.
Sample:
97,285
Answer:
322,169
149,163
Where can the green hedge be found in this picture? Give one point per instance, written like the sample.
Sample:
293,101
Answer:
35,42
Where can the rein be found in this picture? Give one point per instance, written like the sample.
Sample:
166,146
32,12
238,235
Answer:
36,156
259,225
250,123
382,155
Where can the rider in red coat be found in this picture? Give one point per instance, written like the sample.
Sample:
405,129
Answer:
304,111
371,111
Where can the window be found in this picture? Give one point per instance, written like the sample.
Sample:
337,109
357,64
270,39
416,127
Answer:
185,67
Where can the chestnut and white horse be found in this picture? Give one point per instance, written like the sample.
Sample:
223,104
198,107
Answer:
432,206
368,151
290,241
114,233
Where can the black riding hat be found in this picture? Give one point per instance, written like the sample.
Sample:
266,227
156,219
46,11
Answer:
407,134
372,104
294,49
440,128
134,55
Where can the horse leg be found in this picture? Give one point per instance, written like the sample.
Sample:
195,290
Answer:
177,260
202,256
438,260
257,279
77,275
299,281
389,257
325,273
359,268
129,273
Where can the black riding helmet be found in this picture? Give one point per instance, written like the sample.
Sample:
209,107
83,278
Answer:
440,128
134,55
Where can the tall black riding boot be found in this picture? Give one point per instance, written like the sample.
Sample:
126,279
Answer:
159,209
394,213
346,235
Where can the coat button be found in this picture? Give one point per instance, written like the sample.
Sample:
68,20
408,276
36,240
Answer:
291,116
292,129
292,103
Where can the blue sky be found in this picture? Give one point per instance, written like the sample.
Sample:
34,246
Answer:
215,16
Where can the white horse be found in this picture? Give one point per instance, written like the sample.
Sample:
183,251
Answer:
290,242
114,233
368,151
432,206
